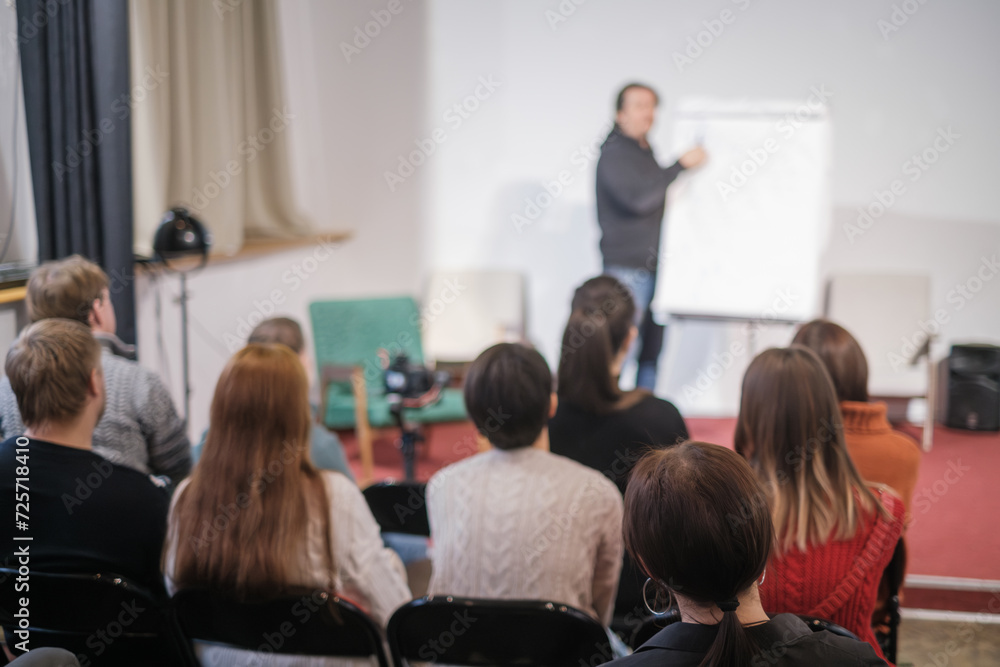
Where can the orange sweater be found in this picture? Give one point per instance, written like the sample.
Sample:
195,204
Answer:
881,455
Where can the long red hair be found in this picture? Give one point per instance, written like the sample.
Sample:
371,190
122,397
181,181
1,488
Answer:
243,518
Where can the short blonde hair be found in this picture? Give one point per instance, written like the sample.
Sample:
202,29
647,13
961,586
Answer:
49,367
65,288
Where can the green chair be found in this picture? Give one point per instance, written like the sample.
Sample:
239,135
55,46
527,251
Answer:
348,337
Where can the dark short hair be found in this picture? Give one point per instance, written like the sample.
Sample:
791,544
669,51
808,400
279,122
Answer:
841,354
508,391
283,330
620,102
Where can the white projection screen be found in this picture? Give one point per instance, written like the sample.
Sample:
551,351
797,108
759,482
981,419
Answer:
743,233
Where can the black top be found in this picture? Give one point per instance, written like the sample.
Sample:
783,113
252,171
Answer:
84,513
612,443
784,641
631,198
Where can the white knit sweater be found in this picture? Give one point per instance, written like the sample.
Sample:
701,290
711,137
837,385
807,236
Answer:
526,524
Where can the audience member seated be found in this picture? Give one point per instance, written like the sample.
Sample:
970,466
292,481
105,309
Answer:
140,427
834,535
596,423
698,521
257,520
879,453
88,515
325,449
518,522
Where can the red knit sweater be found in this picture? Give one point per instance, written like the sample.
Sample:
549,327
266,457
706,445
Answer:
837,580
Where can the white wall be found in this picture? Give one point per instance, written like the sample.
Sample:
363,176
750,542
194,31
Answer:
889,95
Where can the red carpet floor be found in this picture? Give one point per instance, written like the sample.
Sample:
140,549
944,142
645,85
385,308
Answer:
956,505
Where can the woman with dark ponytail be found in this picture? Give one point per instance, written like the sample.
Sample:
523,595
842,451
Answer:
596,423
698,522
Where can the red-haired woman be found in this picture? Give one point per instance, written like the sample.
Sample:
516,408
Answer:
256,519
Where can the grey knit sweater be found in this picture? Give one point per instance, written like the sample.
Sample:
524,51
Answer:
140,427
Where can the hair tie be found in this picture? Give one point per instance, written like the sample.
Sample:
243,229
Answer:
728,605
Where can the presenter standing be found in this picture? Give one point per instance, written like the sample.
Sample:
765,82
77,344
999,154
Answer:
631,198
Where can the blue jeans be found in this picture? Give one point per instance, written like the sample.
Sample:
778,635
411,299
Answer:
646,349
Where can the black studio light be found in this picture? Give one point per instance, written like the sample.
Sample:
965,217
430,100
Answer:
179,235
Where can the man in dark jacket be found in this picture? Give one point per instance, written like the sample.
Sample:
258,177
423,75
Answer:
631,197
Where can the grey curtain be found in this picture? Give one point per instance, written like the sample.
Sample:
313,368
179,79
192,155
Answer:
75,69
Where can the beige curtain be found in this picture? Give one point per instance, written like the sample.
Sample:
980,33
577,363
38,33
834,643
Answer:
209,127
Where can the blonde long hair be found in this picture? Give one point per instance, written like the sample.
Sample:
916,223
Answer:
791,431
243,518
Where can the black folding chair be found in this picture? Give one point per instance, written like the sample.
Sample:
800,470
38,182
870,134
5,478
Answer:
313,623
399,507
474,632
104,619
819,624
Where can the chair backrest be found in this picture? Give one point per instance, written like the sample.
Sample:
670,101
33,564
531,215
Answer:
466,312
350,333
399,507
890,317
102,618
465,631
310,623
820,624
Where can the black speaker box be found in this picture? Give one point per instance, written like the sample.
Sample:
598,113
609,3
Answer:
974,387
